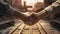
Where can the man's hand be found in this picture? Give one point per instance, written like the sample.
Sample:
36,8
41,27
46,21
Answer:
32,19
35,17
40,15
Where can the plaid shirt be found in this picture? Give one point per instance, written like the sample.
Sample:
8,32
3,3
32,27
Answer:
55,4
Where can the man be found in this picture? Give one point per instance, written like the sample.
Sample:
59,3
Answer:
35,17
4,5
44,13
48,9
15,13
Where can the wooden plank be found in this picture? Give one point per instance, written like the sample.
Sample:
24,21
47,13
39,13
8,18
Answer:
14,29
21,28
35,27
16,23
30,30
41,29
48,28
27,27
18,31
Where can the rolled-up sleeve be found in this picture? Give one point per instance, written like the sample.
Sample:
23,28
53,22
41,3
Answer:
55,4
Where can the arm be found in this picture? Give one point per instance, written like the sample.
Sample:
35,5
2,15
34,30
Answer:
35,17
17,14
48,10
2,1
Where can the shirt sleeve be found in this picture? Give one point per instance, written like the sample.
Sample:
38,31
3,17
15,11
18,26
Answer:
49,9
2,1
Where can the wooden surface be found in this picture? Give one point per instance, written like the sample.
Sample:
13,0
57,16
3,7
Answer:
42,27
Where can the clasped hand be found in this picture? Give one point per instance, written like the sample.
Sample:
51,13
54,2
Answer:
29,18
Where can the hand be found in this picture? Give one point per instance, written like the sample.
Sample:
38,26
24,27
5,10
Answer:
32,19
34,16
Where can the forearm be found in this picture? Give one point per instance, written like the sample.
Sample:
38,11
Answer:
48,10
16,13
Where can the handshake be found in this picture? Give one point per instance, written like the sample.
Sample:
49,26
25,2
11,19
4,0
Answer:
30,18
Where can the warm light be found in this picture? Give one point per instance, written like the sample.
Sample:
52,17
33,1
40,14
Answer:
31,2
40,0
